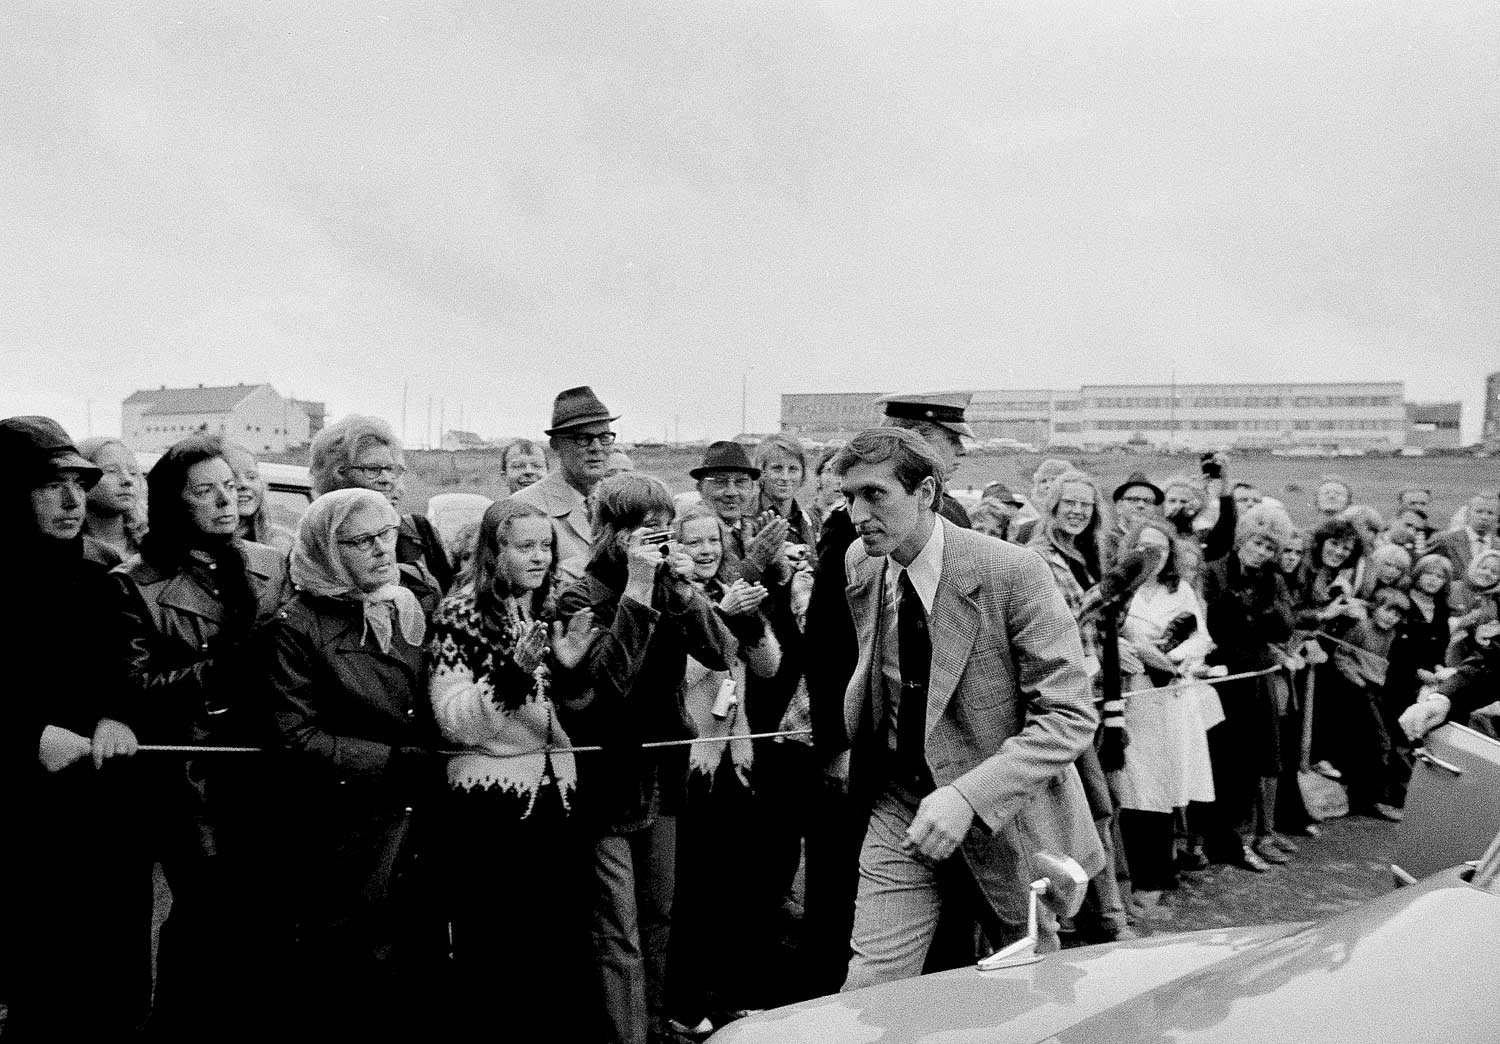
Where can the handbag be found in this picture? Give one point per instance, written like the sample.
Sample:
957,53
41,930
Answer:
1323,798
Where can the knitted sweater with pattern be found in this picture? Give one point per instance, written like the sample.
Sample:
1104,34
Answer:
484,702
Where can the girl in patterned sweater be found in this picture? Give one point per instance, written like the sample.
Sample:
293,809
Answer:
519,860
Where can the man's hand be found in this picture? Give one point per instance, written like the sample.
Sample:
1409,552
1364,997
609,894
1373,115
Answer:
113,739
765,549
942,821
1425,715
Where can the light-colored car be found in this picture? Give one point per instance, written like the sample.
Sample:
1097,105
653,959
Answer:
1417,964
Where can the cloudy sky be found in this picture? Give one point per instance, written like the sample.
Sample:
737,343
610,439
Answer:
483,203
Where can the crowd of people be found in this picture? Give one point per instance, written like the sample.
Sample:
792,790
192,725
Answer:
551,773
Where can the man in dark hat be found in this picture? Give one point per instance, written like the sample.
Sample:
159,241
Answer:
1135,498
939,419
727,483
581,438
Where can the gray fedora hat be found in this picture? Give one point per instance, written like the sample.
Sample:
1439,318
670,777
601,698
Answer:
575,407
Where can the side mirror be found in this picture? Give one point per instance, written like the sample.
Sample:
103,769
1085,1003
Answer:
1062,890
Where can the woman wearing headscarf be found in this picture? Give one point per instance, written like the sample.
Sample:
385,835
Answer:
189,603
1067,536
349,690
75,886
519,855
1249,613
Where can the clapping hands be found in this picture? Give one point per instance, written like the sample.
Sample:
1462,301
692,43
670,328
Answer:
742,599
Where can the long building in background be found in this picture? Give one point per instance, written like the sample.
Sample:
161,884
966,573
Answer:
252,415
1295,418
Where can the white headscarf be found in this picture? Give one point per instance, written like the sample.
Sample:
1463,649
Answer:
319,568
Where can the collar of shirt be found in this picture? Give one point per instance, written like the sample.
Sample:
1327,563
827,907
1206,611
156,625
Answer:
925,570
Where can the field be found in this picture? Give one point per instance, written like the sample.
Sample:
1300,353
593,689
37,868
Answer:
1293,480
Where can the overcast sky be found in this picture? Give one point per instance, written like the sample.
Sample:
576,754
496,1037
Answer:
493,201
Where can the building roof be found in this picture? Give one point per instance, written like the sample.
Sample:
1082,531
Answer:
174,401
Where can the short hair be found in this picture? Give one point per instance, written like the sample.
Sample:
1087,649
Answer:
1273,523
1392,596
494,529
912,459
1412,489
1050,468
621,503
336,447
1337,480
1171,574
1336,528
1432,564
1392,554
991,511
1187,482
1483,495
782,443
826,454
1364,515
520,446
91,447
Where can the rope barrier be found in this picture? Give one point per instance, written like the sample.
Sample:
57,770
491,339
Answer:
189,748
1189,682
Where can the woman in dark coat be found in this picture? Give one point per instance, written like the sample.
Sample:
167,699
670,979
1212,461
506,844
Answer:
189,603
349,690
1249,612
75,886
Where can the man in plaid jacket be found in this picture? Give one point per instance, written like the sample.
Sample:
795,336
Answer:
986,773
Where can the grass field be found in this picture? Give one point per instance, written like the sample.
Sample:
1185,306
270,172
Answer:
1293,480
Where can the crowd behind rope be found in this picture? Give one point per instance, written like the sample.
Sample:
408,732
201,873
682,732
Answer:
579,745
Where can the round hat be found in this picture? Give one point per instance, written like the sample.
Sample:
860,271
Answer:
575,407
725,456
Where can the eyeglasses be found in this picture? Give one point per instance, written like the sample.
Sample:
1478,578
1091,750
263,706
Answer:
582,441
366,541
1138,500
728,482
378,470
1075,505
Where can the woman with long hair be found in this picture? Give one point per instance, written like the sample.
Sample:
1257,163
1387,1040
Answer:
75,884
255,514
348,688
189,605
1167,763
518,853
718,894
117,502
1067,536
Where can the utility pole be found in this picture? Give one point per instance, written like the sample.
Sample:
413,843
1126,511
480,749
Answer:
744,389
405,387
427,431
90,408
441,404
1172,412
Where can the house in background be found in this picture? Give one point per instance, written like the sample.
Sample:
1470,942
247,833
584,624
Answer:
253,415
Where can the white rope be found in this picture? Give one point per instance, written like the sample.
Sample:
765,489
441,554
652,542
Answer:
188,748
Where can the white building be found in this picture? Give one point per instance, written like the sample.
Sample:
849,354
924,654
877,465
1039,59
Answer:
251,415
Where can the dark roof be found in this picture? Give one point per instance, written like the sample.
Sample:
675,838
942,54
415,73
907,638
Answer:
192,400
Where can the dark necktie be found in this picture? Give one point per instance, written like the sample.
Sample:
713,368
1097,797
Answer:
914,651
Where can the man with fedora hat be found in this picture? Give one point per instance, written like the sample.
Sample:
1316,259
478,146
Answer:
727,483
581,438
1135,499
938,417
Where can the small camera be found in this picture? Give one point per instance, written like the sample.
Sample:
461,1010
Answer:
656,538
1212,469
